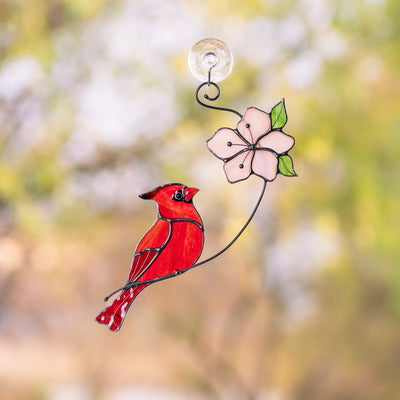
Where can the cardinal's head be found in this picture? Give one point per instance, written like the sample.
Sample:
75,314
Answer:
174,200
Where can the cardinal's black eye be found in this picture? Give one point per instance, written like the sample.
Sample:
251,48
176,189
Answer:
179,195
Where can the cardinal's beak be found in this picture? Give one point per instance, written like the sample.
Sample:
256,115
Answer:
189,193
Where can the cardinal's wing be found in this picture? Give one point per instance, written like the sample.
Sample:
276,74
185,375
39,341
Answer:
149,248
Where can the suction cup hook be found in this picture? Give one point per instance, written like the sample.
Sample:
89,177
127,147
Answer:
210,60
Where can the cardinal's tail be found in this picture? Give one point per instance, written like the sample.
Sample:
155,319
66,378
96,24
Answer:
114,314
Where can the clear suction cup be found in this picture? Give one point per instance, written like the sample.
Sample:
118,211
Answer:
210,54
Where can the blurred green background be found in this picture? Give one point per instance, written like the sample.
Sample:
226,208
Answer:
97,105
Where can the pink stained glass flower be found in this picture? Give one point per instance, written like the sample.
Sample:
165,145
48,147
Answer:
256,146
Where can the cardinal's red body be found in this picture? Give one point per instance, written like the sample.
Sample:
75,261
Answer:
173,243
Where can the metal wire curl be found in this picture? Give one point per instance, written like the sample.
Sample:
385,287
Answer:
209,98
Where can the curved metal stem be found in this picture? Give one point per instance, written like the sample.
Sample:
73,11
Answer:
238,234
207,97
177,272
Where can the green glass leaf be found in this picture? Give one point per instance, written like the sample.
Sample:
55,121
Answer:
278,115
285,165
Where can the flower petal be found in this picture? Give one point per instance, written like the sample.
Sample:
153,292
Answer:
225,143
239,168
254,124
277,141
265,164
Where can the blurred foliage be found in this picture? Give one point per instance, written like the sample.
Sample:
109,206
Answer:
305,306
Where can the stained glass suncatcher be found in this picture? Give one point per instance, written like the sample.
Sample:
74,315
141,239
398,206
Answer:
174,243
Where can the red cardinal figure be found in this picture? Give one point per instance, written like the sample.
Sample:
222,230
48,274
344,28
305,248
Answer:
172,244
